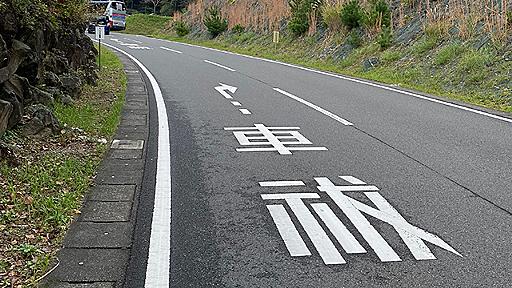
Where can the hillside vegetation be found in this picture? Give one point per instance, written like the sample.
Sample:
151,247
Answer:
460,49
57,113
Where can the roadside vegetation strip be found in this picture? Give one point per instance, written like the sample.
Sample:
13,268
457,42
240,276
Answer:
147,24
42,181
434,65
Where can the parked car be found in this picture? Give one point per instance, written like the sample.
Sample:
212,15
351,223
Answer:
98,21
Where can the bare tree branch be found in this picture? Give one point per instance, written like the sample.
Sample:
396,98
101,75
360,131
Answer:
155,4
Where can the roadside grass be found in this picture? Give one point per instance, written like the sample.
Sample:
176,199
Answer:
42,185
426,44
390,56
147,24
448,53
433,64
474,66
98,111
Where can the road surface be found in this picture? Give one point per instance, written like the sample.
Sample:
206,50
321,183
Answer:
270,175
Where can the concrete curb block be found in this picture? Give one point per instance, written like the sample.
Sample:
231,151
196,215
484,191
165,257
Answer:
97,247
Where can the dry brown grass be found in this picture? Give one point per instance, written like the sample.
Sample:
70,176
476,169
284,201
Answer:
438,16
465,15
259,15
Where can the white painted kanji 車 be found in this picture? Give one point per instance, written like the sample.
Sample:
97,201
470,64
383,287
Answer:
414,237
284,140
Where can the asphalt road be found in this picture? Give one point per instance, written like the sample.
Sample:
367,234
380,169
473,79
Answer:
441,216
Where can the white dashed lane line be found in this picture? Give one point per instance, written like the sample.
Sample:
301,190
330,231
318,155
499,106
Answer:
219,65
172,50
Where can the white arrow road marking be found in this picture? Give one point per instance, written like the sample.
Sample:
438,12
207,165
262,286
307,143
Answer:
223,88
427,98
172,50
245,111
219,65
157,271
317,108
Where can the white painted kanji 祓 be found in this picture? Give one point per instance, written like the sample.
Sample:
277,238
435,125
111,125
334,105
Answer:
414,237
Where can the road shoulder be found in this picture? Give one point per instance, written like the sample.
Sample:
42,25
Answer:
97,248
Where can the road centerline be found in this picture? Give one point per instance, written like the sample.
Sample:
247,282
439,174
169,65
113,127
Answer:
172,50
355,80
317,108
219,65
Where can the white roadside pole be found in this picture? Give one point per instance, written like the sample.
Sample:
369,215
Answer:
100,35
275,38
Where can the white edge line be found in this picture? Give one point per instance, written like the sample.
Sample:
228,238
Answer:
354,80
172,50
219,65
157,272
317,108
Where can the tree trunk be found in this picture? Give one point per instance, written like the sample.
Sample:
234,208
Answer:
154,8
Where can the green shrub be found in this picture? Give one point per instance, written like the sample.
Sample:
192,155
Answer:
448,53
352,14
301,9
238,29
331,16
181,28
385,38
214,21
354,39
379,14
509,18
299,22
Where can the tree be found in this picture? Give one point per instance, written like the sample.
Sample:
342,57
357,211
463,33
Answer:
155,4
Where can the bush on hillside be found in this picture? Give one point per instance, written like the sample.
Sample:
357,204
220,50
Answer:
238,29
354,39
378,15
352,14
331,16
181,28
299,22
385,38
214,21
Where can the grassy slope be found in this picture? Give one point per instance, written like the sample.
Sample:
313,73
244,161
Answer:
432,64
42,193
146,24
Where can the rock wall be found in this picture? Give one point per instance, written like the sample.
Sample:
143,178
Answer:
45,56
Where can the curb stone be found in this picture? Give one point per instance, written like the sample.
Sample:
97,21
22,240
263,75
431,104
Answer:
96,249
